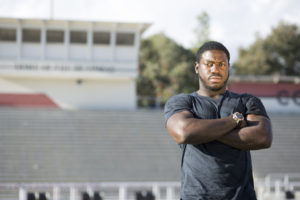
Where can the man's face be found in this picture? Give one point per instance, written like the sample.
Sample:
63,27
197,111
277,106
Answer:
213,70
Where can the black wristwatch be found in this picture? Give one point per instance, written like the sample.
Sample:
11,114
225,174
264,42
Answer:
238,117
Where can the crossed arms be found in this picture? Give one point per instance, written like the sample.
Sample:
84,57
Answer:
255,134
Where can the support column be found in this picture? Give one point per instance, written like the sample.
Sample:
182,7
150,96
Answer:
136,45
286,182
268,184
122,192
22,194
73,193
56,193
170,193
277,188
67,41
43,42
156,191
19,40
113,41
90,41
90,190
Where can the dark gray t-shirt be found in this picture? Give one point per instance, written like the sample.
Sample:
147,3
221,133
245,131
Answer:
214,170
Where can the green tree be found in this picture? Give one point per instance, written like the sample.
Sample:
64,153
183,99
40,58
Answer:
278,53
165,69
201,31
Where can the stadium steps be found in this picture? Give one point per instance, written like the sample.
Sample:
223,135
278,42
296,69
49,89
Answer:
50,145
41,145
284,154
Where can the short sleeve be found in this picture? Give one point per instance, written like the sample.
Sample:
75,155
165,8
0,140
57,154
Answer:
176,104
254,106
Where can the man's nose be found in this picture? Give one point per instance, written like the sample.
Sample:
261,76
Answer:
214,68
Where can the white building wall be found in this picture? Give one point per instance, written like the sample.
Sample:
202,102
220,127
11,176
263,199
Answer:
55,52
79,52
8,50
74,74
126,54
79,94
8,86
102,52
31,51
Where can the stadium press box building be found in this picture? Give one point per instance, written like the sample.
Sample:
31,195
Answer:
69,64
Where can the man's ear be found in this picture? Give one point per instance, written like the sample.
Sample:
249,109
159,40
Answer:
196,67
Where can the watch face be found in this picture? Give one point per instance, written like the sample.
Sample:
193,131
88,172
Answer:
239,115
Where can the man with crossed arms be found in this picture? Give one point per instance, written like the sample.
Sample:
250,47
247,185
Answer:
216,129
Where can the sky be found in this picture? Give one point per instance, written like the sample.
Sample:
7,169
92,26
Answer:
235,23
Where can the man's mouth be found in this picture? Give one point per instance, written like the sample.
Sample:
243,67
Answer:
215,78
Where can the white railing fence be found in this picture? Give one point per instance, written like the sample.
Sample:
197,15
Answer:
90,191
273,187
278,186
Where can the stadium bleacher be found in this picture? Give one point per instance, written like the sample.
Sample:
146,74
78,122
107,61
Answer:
284,154
50,145
63,146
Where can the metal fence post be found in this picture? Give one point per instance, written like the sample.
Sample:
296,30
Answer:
170,193
56,193
122,192
22,194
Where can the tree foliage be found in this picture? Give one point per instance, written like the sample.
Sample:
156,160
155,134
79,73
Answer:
165,69
278,53
201,31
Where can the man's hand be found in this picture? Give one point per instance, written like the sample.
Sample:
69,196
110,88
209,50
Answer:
255,133
243,124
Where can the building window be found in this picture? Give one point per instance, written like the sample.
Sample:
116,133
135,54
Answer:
31,35
78,37
8,34
101,37
125,38
55,36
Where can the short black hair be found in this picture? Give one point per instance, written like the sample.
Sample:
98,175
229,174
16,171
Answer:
212,45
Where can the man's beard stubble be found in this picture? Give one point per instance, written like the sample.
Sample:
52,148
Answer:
211,88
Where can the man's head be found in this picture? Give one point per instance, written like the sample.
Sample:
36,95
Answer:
212,67
212,45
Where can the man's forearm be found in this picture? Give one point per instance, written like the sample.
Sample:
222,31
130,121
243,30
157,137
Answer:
237,139
257,135
184,128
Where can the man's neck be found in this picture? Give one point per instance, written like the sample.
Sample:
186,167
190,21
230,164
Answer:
212,94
